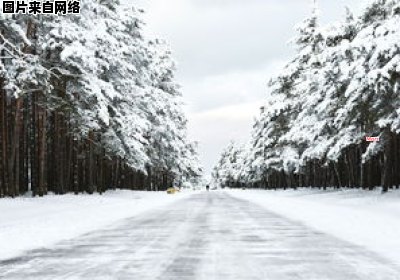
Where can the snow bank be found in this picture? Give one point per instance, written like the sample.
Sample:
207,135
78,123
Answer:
368,219
31,223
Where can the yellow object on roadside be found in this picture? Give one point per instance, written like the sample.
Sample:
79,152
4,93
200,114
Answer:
171,191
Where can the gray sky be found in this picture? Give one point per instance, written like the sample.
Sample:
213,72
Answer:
226,52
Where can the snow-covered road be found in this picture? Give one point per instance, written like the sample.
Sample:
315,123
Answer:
205,236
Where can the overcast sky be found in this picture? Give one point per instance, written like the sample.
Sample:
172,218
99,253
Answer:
226,52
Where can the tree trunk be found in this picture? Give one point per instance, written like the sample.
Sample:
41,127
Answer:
388,161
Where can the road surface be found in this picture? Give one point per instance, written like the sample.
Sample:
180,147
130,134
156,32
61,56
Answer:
206,236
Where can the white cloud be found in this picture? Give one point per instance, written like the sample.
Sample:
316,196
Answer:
214,91
233,113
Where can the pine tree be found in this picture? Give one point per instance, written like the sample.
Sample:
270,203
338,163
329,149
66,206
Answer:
89,103
341,86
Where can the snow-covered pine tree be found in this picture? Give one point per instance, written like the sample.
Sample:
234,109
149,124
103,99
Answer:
341,87
80,96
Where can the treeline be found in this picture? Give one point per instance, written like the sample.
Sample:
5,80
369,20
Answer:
342,86
87,104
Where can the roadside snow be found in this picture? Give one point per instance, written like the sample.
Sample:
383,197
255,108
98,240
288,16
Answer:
32,223
367,219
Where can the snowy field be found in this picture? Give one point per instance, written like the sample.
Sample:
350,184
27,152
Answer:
209,235
32,223
367,219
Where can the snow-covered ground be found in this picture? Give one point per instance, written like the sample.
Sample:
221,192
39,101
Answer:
210,235
367,219
32,223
